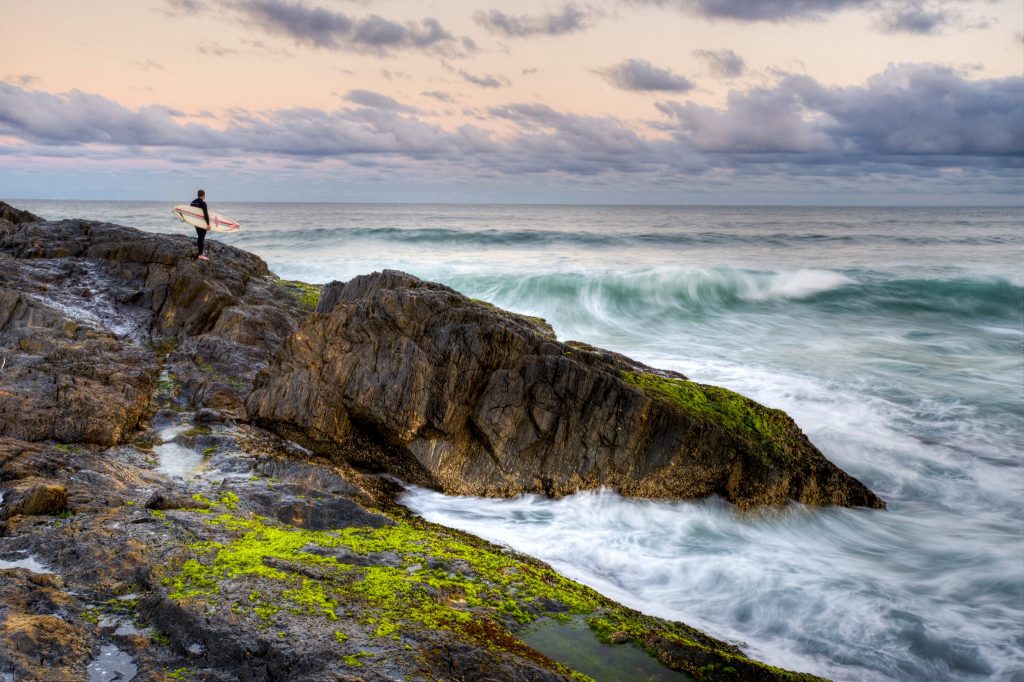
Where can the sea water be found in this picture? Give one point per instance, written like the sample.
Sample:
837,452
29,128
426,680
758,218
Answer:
893,336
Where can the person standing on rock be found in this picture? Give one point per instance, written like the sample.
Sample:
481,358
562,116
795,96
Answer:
200,202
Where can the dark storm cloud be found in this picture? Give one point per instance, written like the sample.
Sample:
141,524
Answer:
641,75
722,63
569,20
758,10
911,110
76,118
924,18
893,16
328,29
911,121
913,18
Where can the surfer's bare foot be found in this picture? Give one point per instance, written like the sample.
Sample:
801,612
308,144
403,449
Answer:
202,257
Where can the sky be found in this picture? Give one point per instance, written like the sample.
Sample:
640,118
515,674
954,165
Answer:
539,101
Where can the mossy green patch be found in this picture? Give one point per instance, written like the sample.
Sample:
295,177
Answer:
412,576
768,432
202,499
308,294
353,661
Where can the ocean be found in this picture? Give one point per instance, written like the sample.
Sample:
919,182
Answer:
893,336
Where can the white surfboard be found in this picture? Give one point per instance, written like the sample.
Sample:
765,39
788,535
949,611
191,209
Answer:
194,216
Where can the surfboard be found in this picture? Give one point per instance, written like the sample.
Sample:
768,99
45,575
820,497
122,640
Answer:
194,216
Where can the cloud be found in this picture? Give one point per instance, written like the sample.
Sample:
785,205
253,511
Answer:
641,75
758,10
922,17
483,80
260,47
327,29
216,50
911,111
569,20
182,7
375,100
388,74
148,65
920,124
26,80
438,95
722,63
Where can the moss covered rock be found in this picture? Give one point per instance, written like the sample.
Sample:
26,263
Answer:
413,378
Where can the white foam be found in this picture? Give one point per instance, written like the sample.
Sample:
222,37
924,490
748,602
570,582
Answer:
793,284
851,594
30,563
178,461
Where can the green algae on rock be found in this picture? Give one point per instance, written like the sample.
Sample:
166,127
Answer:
308,294
286,570
766,430
381,586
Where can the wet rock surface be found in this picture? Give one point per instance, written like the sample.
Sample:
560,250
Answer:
152,529
475,400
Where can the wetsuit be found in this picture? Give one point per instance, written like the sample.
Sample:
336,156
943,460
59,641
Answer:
200,232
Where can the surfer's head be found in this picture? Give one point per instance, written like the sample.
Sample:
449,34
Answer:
202,193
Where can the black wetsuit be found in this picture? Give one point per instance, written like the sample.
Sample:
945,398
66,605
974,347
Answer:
200,232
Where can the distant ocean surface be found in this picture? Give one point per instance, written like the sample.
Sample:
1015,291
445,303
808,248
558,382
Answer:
894,337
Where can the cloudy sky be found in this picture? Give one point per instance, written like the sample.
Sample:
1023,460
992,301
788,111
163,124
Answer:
663,101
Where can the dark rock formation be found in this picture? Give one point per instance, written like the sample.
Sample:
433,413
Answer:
122,358
87,309
33,497
475,400
16,216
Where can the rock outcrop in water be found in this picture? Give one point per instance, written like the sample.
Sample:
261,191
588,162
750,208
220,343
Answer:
151,528
475,400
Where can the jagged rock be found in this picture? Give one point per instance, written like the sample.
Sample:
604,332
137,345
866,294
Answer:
316,512
65,381
33,497
169,499
80,303
16,216
207,416
102,326
476,400
42,647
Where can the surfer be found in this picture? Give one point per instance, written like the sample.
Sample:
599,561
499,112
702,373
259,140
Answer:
200,202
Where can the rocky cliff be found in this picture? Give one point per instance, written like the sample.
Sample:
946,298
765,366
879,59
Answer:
154,524
471,399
